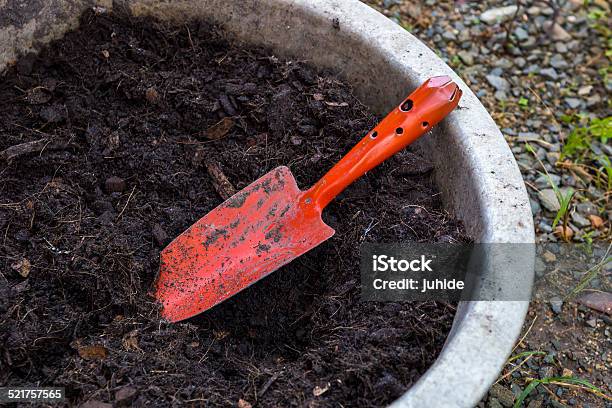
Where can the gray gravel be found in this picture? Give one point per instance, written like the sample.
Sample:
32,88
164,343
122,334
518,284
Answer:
539,81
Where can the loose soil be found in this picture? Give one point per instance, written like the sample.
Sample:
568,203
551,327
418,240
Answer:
131,123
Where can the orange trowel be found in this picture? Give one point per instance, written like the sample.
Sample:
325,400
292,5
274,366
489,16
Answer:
271,222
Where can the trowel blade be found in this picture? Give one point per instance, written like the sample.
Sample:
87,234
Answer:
250,235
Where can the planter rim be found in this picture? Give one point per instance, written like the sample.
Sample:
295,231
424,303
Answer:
475,169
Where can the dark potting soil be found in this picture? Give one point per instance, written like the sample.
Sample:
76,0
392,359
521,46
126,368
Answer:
117,138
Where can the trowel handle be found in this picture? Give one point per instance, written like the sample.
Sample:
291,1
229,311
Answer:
416,115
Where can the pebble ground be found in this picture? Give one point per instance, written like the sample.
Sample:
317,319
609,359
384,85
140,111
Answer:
542,69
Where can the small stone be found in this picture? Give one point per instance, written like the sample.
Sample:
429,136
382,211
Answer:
550,73
99,10
105,54
558,62
593,100
573,103
528,44
321,389
521,34
546,371
561,47
503,394
494,403
532,68
23,235
516,389
580,221
498,15
466,57
544,226
125,394
557,32
500,95
534,10
159,235
528,137
553,157
549,200
597,300
535,404
389,3
585,90
500,65
592,323
464,38
540,267
115,184
549,257
498,83
546,180
535,206
244,404
567,372
586,208
556,304
449,36
550,357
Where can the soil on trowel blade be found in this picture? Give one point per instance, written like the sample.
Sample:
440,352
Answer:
118,137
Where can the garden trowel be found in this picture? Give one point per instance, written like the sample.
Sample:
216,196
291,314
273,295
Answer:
271,222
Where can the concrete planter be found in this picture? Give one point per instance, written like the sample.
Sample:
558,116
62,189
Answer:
475,169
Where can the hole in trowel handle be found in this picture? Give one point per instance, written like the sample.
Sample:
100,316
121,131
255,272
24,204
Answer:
407,105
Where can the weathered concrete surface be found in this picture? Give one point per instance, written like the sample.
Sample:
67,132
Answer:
26,25
476,172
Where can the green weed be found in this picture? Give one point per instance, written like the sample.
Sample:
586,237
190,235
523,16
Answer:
590,274
572,382
565,199
579,140
579,146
